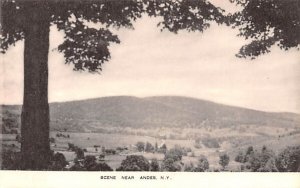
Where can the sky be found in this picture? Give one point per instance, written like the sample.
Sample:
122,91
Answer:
149,62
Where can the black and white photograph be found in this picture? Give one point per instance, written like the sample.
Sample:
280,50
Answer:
156,86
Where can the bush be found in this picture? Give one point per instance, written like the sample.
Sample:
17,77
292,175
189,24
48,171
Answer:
202,165
149,147
189,167
110,151
52,140
289,160
140,146
58,162
154,165
11,160
170,165
270,166
174,153
90,164
197,143
211,143
79,153
163,149
102,167
224,160
240,157
134,163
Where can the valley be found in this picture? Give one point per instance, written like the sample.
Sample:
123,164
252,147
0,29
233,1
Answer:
119,123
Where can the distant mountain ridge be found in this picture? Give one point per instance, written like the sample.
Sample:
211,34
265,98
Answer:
162,111
159,111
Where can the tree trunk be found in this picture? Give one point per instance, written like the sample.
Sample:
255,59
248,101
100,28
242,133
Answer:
35,146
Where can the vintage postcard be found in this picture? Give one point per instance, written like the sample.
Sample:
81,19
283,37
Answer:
150,93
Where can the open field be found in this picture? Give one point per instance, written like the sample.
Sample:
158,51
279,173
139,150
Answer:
112,141
227,144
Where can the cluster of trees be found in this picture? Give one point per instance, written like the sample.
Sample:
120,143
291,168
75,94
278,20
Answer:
78,151
207,142
9,123
172,162
61,135
265,160
146,147
201,166
89,163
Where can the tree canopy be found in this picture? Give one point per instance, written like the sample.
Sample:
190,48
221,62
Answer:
86,47
267,23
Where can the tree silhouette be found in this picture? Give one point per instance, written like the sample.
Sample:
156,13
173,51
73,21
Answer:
267,23
84,47
224,160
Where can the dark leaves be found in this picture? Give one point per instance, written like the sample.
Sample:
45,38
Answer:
191,15
268,22
12,17
86,48
256,48
110,13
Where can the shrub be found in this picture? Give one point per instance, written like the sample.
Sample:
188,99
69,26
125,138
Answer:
174,153
163,149
210,143
154,165
140,146
289,160
79,153
149,147
189,167
224,160
57,162
170,165
202,165
240,157
11,160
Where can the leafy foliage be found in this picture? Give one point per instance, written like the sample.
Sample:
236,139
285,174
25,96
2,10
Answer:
289,160
57,162
11,160
211,143
267,22
134,163
170,165
187,15
163,149
140,146
154,165
175,153
224,160
257,161
87,47
149,147
90,164
240,157
202,165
